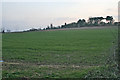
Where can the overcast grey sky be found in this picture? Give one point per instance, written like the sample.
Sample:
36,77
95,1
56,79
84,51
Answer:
25,14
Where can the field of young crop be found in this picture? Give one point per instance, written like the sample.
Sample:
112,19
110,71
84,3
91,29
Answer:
59,54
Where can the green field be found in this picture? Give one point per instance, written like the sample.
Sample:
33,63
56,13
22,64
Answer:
58,54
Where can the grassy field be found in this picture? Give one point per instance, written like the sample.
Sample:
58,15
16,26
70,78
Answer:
58,54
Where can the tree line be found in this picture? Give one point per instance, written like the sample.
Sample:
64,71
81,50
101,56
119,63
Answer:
92,21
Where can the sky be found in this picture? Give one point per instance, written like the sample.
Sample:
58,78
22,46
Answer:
25,14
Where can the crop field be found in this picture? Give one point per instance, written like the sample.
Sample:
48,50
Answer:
78,53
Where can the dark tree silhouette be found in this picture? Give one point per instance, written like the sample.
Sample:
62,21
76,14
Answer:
95,20
51,26
110,19
3,31
65,24
81,23
47,27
